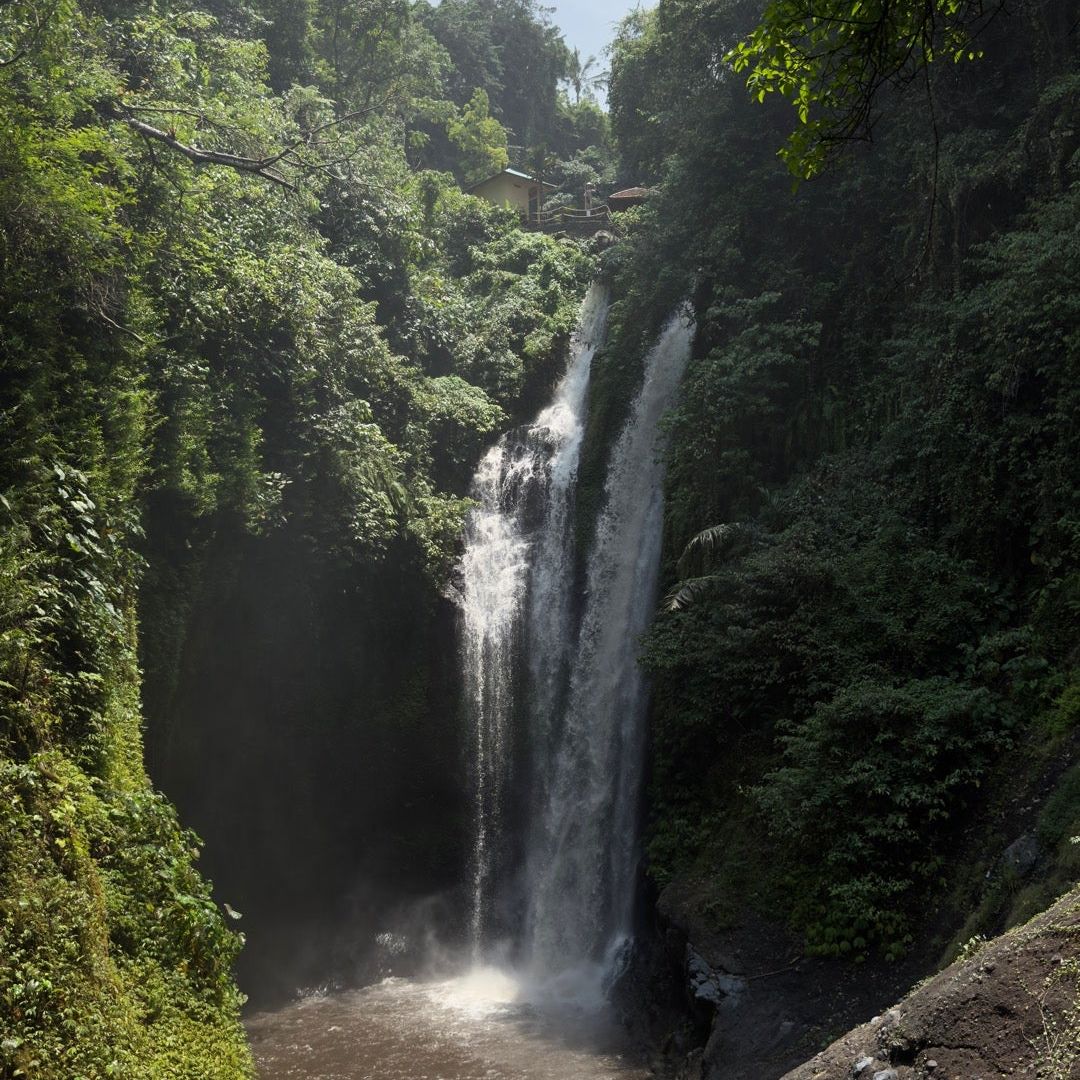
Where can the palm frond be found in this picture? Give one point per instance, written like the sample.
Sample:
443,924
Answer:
705,544
687,593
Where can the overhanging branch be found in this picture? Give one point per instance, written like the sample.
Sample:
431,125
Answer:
256,166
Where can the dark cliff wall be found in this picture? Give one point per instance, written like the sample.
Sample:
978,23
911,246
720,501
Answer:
311,734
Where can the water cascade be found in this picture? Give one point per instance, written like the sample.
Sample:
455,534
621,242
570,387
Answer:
583,849
535,654
556,705
525,469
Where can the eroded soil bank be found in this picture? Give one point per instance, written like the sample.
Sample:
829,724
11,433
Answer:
1009,1007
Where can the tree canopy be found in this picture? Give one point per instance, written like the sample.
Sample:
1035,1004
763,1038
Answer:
830,60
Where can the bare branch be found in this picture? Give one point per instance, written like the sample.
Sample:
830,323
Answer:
116,326
171,110
263,166
255,166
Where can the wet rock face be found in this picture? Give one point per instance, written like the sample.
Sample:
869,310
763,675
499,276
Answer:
708,986
1012,1009
1021,855
751,996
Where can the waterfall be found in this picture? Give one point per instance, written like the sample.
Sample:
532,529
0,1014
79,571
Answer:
535,654
583,851
526,472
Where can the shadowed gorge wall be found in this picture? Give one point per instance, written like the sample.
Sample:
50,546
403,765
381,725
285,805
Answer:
312,733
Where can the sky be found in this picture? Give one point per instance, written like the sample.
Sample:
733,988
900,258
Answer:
589,25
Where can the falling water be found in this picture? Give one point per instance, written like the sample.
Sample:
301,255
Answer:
579,690
583,850
525,472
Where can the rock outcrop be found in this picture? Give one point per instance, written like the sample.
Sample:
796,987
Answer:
757,1005
1011,1008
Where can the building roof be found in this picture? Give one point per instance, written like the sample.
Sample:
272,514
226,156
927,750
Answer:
516,174
633,193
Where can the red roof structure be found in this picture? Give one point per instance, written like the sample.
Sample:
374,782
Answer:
628,197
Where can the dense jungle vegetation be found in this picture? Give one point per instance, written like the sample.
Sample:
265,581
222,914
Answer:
867,660
254,337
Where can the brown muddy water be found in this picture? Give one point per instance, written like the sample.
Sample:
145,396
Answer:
485,1025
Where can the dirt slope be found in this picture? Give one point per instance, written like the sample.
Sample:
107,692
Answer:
1010,1009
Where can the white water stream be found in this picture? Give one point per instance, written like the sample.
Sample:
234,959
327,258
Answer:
583,847
516,573
551,677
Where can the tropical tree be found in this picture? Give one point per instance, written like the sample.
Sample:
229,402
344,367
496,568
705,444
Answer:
831,58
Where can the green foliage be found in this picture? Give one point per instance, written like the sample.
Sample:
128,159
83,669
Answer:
867,778
459,418
234,312
1064,716
830,61
871,489
116,960
480,138
510,50
1060,817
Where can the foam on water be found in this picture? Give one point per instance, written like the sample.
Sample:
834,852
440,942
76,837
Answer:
480,990
478,1026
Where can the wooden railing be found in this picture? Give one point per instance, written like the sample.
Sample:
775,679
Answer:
572,219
